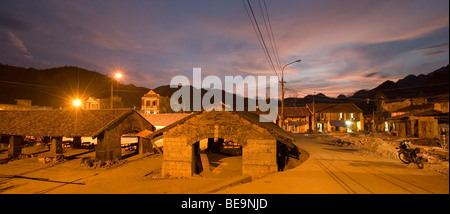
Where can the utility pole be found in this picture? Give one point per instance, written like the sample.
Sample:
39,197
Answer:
282,92
314,115
282,102
112,93
117,76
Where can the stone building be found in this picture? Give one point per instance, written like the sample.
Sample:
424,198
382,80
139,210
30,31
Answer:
392,106
150,103
260,141
106,125
91,103
158,100
297,119
420,121
336,117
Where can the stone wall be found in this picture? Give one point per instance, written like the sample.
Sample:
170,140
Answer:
427,127
259,146
145,145
259,157
177,158
108,143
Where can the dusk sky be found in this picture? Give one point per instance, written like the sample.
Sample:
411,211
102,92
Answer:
344,45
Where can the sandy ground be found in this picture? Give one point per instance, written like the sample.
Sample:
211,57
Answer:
139,174
339,170
323,169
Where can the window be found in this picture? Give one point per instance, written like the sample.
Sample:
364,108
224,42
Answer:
154,103
340,116
147,103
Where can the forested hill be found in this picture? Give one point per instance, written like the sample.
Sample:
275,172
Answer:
56,87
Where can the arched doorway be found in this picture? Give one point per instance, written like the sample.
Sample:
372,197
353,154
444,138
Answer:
258,141
109,141
217,157
129,144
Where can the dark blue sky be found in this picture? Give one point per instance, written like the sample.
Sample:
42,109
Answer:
345,45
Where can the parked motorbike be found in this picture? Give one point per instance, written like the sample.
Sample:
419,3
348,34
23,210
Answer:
408,155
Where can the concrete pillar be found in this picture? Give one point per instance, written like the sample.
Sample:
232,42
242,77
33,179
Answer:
76,142
56,146
15,146
108,147
361,118
402,129
259,157
178,158
145,145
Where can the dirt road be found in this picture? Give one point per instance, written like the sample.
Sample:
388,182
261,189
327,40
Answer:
329,169
340,170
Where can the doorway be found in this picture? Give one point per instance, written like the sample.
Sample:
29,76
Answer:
217,157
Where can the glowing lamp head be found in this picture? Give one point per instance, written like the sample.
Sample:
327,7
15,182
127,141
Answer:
76,103
118,75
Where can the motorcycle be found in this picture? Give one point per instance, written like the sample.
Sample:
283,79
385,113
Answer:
408,155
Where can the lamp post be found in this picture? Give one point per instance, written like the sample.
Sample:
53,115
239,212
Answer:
117,76
282,91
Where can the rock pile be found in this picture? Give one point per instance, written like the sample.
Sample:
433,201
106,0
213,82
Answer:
93,163
367,144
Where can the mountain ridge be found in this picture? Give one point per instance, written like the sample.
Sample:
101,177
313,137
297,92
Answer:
39,85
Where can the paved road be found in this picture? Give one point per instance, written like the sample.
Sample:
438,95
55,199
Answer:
340,170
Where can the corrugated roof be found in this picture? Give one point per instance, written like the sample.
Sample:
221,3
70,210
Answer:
57,123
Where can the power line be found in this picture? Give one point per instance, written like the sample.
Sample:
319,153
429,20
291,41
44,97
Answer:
274,44
259,35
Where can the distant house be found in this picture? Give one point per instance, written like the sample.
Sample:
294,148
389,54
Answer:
336,117
394,106
91,103
157,100
421,121
150,103
297,119
378,121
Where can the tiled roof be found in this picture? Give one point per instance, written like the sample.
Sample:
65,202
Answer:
164,119
295,112
426,107
59,123
253,118
334,108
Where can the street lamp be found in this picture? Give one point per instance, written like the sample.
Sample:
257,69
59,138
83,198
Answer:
76,103
282,91
117,76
